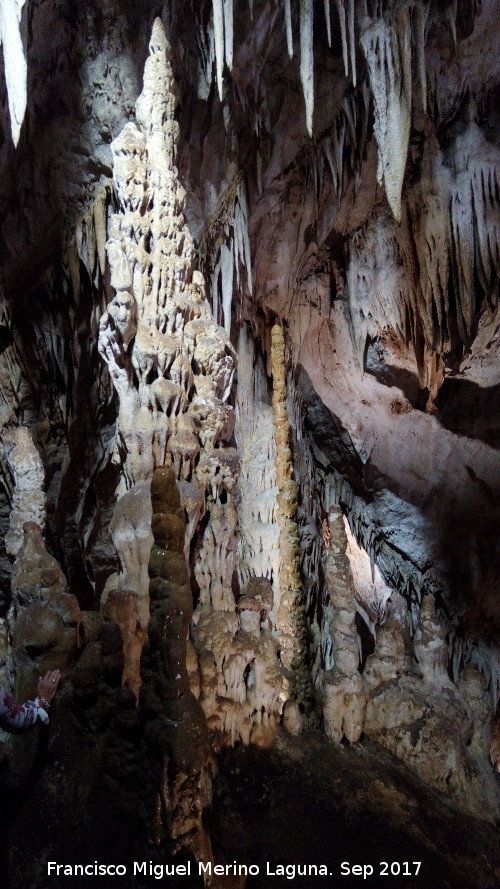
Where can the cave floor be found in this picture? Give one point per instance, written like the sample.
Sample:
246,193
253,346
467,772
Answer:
303,802
309,802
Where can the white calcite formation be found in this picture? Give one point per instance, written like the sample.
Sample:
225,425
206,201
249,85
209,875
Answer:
386,43
16,73
170,364
172,367
258,547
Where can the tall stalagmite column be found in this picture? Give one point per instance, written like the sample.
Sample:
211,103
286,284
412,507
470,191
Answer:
344,690
177,736
291,622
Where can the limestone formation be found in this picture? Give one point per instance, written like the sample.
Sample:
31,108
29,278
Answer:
157,337
418,713
323,550
36,575
15,63
122,607
290,621
258,548
393,649
386,42
178,736
28,503
132,537
344,689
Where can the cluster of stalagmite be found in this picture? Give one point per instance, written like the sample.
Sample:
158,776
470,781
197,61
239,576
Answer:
170,364
290,621
402,696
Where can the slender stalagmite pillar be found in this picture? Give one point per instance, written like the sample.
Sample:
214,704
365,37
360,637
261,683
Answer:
344,689
291,622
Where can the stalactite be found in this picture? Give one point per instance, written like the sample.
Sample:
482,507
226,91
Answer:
226,238
352,40
456,235
223,31
242,255
431,229
343,34
328,22
218,16
206,46
288,27
228,32
290,621
386,44
451,15
307,59
421,14
226,271
16,72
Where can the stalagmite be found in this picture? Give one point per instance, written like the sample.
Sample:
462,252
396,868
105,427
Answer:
290,622
184,738
307,59
16,72
258,550
28,503
197,467
344,690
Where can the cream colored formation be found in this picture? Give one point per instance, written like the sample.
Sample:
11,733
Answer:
291,619
172,367
344,689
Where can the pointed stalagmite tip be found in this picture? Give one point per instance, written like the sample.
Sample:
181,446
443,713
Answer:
158,40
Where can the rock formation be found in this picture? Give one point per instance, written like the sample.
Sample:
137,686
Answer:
249,387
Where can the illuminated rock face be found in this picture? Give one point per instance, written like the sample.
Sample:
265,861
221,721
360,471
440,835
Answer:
305,332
